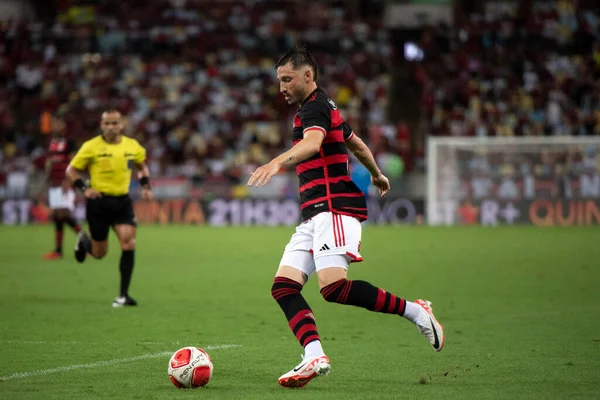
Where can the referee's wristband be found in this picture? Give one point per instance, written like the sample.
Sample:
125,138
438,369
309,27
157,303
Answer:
145,182
80,185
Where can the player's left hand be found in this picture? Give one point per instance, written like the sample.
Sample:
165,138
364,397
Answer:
147,194
263,174
382,183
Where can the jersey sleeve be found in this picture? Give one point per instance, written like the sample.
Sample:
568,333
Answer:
315,115
347,130
140,153
83,158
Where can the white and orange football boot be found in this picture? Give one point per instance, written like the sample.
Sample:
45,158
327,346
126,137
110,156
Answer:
429,326
306,371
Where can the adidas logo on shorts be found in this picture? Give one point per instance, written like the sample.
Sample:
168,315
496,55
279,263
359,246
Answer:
325,247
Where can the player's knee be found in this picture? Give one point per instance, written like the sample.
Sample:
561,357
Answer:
331,293
128,244
284,287
98,253
99,249
274,289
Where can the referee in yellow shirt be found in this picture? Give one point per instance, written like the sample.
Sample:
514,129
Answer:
110,158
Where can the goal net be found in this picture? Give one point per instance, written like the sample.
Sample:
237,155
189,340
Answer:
507,180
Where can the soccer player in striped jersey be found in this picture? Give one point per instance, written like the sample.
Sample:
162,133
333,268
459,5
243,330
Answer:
61,198
329,237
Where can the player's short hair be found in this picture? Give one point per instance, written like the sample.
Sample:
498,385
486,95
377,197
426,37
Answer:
112,110
299,56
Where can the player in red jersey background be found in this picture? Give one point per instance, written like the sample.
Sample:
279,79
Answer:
61,197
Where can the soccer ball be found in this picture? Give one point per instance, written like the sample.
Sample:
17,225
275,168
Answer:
190,367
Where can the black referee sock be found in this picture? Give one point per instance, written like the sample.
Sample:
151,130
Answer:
126,269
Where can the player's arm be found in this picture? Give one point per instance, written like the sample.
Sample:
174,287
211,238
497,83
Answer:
73,175
78,164
306,148
364,155
143,173
316,119
144,179
47,170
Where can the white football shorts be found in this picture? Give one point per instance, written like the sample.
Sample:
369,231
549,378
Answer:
59,198
323,241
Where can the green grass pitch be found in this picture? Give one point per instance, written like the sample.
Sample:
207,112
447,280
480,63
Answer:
521,309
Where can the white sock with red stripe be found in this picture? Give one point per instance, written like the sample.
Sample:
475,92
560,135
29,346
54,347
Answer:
412,311
313,350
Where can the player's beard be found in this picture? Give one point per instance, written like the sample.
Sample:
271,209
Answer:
110,136
296,96
290,98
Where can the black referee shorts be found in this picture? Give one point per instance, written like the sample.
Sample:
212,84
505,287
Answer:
107,211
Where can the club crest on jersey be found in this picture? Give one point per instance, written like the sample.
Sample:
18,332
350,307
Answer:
332,104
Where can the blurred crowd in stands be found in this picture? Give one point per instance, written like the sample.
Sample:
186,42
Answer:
197,85
518,71
515,71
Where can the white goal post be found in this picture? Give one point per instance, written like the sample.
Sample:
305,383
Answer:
508,169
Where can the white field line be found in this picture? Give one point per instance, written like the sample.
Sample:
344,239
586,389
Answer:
106,363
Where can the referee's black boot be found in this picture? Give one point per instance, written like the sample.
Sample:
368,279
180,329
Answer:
82,246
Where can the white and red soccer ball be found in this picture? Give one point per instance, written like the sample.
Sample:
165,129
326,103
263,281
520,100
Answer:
190,367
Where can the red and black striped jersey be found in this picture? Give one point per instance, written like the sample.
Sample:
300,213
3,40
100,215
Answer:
59,155
325,183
